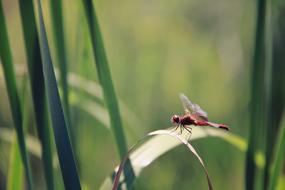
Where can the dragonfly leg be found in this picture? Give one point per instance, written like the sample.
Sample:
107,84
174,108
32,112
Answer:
175,128
190,132
181,129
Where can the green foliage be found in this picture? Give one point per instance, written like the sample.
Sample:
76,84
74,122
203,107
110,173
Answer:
64,149
6,59
105,78
15,173
58,31
278,156
106,82
155,51
37,85
259,99
158,145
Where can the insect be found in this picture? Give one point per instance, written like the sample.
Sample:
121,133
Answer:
194,115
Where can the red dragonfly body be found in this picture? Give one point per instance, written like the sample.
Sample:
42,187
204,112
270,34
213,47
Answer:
194,115
189,120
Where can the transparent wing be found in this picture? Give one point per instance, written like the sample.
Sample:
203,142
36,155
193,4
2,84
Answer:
200,112
193,108
187,104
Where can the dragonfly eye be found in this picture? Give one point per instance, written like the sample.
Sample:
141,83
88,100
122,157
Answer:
175,119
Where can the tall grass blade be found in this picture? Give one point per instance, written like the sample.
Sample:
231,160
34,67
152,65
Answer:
105,77
58,31
64,149
278,99
278,156
37,85
278,78
257,104
15,173
269,128
106,80
6,59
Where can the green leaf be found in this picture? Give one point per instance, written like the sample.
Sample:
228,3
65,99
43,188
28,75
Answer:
95,91
15,173
37,85
6,58
258,103
269,131
156,146
64,149
58,31
168,133
106,81
279,154
105,78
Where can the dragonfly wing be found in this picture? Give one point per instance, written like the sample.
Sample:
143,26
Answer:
198,111
193,108
187,104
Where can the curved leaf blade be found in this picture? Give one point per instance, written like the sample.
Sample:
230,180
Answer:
169,133
147,152
93,89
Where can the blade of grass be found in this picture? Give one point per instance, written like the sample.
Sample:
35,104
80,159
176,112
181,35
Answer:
148,152
95,90
106,81
279,154
257,104
6,58
161,132
278,94
37,85
269,128
278,79
64,149
58,32
15,173
105,77
33,145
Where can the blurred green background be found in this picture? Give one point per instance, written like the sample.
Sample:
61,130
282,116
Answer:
156,49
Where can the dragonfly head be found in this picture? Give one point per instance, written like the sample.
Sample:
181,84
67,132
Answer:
175,119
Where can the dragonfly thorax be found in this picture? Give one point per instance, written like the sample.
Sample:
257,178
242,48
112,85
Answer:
186,119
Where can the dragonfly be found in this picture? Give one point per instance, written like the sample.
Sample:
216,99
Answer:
194,116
